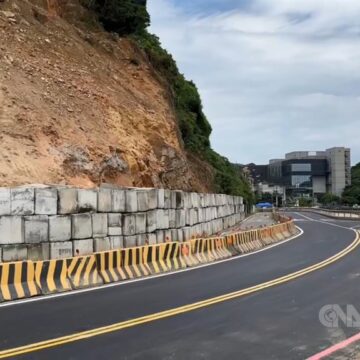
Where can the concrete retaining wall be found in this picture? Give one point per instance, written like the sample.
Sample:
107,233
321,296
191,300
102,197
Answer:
42,222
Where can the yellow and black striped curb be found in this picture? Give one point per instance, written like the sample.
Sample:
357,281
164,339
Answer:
30,278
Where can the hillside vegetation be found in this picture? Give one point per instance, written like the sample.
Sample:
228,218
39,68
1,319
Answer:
129,17
351,194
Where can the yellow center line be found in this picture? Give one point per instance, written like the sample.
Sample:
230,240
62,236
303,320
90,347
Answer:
175,311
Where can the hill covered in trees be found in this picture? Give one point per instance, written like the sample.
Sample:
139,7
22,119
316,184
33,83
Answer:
351,194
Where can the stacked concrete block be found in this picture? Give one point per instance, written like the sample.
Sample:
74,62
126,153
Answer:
118,201
140,223
160,198
99,225
11,230
14,252
151,221
141,239
102,244
87,200
83,247
151,238
129,224
167,235
36,229
59,222
38,252
143,200
22,201
167,199
46,201
81,226
131,201
104,200
166,219
61,250
160,236
115,222
130,241
116,242
59,228
5,201
174,235
67,203
172,218
179,235
180,218
177,199
153,196
186,233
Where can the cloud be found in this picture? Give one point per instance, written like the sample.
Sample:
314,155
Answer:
274,76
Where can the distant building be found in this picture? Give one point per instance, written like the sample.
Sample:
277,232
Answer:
305,173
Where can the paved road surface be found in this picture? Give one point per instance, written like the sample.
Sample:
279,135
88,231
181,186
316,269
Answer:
280,322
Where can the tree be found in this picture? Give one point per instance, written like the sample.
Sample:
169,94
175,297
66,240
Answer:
351,194
121,16
329,199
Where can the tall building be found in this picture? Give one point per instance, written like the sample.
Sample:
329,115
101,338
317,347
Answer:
308,173
339,169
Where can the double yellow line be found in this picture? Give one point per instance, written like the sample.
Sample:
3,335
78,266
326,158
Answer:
175,311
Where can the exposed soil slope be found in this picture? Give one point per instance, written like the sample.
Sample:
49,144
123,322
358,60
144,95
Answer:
81,106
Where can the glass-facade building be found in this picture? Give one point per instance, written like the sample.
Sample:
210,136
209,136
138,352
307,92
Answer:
304,177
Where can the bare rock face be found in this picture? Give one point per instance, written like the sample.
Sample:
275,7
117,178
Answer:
83,107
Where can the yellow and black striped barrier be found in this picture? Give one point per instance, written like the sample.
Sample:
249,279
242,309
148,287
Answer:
25,279
17,280
82,272
51,276
172,256
187,255
109,265
201,250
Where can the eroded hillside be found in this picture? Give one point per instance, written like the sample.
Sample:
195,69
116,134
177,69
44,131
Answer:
81,106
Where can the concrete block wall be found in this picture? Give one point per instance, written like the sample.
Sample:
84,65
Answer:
49,222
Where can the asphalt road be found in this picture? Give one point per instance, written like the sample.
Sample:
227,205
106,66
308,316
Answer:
280,322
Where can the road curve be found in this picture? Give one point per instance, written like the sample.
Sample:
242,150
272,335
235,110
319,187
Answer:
276,323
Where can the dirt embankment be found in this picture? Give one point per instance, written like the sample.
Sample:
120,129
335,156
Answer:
80,106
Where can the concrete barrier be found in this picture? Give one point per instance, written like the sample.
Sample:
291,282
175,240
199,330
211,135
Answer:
17,281
25,279
201,250
172,256
187,255
110,267
82,272
51,276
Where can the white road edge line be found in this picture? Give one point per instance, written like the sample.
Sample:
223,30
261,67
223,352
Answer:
324,222
127,282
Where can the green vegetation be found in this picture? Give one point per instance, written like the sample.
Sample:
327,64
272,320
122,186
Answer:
351,194
304,202
329,199
194,126
129,17
121,16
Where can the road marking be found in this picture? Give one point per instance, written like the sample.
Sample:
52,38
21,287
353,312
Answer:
332,349
176,311
127,282
323,221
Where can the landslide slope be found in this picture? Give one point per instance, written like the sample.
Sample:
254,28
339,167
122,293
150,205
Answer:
81,106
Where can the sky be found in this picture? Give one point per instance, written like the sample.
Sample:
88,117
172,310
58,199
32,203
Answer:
275,76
